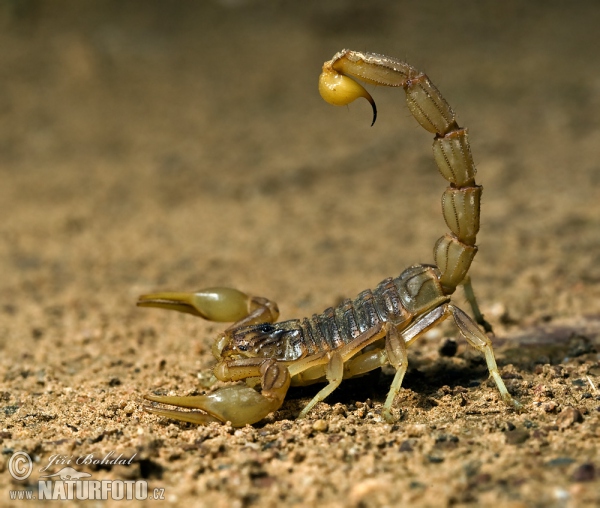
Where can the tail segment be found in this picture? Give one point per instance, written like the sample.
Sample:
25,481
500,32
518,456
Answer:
453,252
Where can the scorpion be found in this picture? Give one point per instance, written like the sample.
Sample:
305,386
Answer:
360,335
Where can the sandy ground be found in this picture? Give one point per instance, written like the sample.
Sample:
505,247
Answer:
182,145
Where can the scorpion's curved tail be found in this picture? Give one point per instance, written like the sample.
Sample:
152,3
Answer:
454,251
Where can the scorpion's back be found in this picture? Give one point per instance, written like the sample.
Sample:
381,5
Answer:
398,300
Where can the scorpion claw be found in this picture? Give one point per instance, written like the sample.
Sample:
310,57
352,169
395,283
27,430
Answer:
195,417
238,404
214,304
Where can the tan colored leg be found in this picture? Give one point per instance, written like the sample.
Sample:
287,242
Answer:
395,348
334,362
334,374
396,345
365,362
470,296
482,343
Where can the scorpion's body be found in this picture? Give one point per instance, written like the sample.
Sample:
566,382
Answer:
377,326
399,301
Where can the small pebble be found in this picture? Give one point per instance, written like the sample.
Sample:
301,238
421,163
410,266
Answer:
584,473
446,441
320,426
516,436
416,430
339,409
560,461
406,446
549,407
298,457
435,459
561,494
568,417
542,391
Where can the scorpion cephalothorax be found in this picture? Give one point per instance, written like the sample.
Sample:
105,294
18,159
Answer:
376,327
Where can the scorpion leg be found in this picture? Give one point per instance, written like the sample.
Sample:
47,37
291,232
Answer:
216,304
481,342
334,374
340,364
365,362
395,348
238,404
470,296
469,331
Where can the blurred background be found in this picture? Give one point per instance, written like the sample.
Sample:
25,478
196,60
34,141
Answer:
152,145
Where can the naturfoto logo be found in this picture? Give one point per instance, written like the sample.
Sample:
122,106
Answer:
68,483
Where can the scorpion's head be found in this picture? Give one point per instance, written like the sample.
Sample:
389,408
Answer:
280,341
